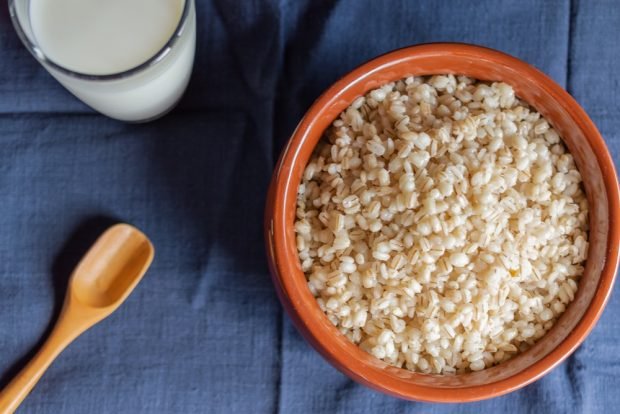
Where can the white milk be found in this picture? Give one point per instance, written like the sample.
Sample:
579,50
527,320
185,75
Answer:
107,37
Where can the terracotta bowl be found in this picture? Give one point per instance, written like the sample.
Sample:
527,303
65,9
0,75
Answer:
600,181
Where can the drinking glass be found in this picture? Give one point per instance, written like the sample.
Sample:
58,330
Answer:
142,93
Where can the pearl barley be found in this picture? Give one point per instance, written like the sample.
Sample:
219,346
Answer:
442,224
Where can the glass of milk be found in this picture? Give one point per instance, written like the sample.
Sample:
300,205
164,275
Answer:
128,59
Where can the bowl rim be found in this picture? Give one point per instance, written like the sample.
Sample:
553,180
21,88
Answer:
282,264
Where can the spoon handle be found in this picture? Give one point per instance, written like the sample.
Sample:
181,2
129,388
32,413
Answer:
62,335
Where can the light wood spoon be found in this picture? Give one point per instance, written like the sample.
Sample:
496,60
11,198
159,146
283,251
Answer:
101,282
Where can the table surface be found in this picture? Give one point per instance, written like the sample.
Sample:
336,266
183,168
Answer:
204,331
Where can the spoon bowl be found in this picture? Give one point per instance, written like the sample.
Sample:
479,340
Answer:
112,267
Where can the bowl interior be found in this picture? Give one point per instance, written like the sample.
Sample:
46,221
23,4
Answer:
583,141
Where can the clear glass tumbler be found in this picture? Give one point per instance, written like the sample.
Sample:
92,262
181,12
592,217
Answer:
139,94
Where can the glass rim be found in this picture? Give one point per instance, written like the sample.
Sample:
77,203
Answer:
38,53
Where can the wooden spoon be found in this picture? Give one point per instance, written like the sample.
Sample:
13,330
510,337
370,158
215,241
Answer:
100,283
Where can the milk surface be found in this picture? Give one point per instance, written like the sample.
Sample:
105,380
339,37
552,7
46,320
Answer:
101,37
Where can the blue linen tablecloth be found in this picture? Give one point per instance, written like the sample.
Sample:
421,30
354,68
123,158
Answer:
204,331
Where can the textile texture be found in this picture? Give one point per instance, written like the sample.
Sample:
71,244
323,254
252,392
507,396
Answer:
204,331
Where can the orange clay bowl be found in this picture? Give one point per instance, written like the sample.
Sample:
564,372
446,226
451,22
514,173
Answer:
601,185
